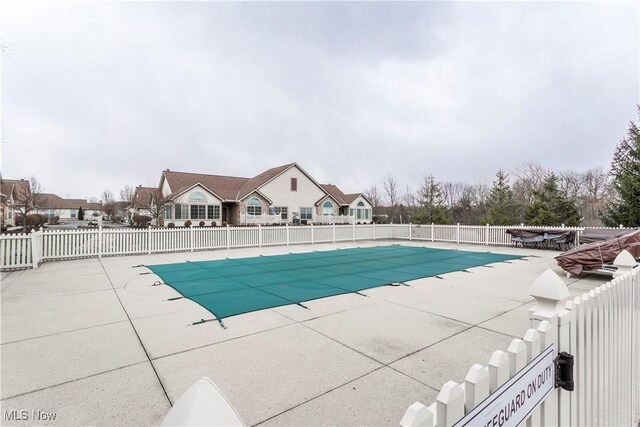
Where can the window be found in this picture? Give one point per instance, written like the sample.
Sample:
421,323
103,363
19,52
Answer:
167,212
350,212
197,211
283,211
178,212
359,213
197,197
327,208
254,207
367,213
294,184
74,214
361,203
181,212
213,212
306,213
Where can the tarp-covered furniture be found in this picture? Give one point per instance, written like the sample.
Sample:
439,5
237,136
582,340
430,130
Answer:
590,235
597,255
542,238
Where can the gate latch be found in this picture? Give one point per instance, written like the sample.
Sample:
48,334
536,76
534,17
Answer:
564,371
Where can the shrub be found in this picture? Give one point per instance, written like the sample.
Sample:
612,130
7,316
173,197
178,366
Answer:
201,223
54,220
187,223
80,214
213,223
141,220
35,221
18,219
171,225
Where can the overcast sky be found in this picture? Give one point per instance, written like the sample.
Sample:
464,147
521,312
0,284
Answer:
101,95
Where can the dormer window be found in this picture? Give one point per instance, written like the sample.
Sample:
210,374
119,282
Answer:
294,184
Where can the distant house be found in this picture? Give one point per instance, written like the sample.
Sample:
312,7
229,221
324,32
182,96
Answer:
10,191
67,209
284,194
142,200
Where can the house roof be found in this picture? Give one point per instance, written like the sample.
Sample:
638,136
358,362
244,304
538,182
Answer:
10,186
53,201
142,195
335,192
225,187
233,188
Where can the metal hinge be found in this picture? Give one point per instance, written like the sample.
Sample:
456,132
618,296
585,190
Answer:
564,371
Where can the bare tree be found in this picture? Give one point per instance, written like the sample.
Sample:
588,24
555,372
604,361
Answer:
529,178
373,194
571,183
127,193
390,187
28,197
109,206
157,206
391,192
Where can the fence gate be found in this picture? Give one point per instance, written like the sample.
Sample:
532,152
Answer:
579,364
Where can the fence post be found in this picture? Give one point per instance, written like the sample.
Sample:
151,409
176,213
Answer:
549,292
149,240
228,237
312,233
100,242
458,233
432,228
374,230
486,235
354,231
625,262
259,235
36,248
410,232
190,238
334,232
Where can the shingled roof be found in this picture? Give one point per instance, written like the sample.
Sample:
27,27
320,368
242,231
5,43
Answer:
53,201
142,196
10,186
233,188
225,187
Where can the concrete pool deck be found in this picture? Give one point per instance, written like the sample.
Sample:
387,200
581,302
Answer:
94,342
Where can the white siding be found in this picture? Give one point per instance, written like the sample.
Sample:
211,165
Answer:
279,191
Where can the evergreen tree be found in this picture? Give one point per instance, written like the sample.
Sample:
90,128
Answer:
625,173
550,206
80,214
432,208
502,209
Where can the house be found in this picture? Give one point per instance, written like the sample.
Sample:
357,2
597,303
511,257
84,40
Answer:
142,200
67,209
284,194
12,191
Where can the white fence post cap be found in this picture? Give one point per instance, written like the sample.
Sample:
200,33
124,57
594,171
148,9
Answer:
417,415
549,291
625,259
549,286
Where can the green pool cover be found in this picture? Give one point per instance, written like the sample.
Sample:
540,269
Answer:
235,286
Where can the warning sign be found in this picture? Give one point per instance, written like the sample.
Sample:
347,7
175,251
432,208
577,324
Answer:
514,401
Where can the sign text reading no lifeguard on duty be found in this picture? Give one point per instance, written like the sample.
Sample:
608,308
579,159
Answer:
514,401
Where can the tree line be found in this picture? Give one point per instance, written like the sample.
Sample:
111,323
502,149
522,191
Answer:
532,194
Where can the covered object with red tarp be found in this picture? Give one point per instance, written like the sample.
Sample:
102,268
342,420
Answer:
594,256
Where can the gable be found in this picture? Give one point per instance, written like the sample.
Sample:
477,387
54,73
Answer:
197,194
279,188
360,199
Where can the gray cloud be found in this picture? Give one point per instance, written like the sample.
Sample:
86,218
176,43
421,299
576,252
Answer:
101,95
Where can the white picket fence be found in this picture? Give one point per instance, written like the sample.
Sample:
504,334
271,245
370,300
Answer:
601,329
29,250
